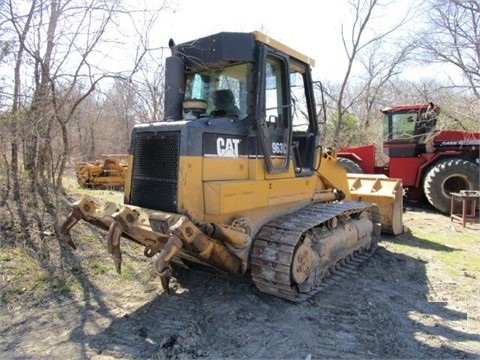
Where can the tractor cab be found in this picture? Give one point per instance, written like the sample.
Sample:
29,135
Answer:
407,129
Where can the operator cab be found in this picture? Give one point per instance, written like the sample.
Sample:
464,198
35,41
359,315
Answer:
252,85
408,129
223,91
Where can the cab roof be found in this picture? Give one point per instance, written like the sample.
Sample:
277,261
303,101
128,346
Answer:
229,47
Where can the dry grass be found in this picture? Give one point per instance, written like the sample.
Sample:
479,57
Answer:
35,265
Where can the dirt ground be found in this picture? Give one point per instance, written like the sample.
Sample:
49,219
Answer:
396,306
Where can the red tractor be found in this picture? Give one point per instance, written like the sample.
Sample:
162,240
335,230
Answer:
431,163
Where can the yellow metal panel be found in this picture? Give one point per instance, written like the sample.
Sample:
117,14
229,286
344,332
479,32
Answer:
284,191
386,192
334,175
225,169
285,175
256,169
190,192
224,197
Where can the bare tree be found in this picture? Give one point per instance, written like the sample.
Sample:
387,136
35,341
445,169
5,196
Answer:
54,42
61,44
132,98
150,90
62,50
453,37
380,65
141,90
361,45
21,26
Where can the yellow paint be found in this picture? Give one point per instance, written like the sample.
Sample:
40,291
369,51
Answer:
128,180
282,47
225,169
221,187
224,197
284,191
256,169
262,189
334,175
190,191
386,192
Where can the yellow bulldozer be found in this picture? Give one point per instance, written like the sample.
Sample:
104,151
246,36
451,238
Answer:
235,178
108,172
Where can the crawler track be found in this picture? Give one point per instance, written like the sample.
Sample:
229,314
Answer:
275,247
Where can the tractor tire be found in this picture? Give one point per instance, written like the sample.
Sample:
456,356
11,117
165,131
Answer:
447,176
350,165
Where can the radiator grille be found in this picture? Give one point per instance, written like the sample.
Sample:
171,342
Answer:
155,171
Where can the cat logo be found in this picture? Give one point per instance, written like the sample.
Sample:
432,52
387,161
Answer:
227,147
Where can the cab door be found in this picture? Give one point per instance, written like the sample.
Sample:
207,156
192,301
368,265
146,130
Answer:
273,111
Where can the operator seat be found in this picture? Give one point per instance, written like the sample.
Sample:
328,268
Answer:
224,103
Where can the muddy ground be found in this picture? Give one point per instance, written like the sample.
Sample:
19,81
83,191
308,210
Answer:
396,306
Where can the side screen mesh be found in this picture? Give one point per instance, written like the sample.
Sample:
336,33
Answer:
155,171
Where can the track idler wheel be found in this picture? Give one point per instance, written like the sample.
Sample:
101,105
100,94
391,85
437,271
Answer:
302,263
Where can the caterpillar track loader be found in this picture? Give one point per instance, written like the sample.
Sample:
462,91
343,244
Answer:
235,179
108,172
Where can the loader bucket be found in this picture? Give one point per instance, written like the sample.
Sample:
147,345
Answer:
386,192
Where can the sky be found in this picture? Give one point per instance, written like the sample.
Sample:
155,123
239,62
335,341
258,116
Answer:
312,27
295,24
